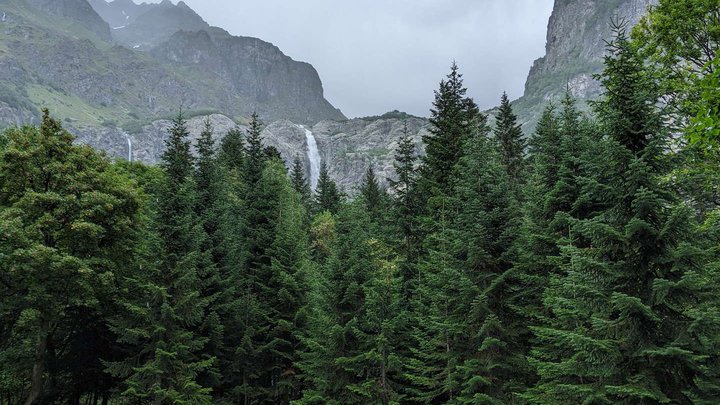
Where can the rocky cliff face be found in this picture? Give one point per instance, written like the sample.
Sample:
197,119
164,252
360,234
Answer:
575,46
77,11
86,79
257,74
348,147
143,26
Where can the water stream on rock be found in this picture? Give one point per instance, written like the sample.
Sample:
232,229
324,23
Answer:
129,141
313,156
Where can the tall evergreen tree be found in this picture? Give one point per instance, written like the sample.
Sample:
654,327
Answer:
509,136
327,196
299,182
405,208
452,119
169,357
373,194
255,151
620,326
209,205
352,338
231,155
492,362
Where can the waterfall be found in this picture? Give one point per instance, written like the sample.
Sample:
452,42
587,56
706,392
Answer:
313,157
129,141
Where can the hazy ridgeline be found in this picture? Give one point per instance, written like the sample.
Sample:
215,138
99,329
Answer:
577,264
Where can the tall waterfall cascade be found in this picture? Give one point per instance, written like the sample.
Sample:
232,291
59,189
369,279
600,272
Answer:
130,156
313,157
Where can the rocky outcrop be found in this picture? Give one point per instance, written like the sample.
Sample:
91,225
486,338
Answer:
148,25
142,26
575,46
77,11
45,61
254,73
347,147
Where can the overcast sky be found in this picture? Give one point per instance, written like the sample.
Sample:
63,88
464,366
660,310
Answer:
375,56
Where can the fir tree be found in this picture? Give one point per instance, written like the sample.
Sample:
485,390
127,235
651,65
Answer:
299,182
509,136
351,341
491,359
327,196
373,195
405,206
208,207
169,359
231,155
452,119
255,152
619,330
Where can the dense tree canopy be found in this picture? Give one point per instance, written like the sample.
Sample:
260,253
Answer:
577,265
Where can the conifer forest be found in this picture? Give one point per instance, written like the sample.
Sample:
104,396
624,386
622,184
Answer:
577,264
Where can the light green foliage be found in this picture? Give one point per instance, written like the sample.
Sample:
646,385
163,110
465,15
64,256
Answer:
67,223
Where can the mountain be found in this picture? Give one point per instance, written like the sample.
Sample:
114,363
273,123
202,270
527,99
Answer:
348,147
77,11
575,46
143,26
58,54
116,72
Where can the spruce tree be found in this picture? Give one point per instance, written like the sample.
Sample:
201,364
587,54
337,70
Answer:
491,360
209,205
352,341
620,326
509,136
299,182
231,155
283,288
405,209
452,118
255,152
373,194
162,323
327,196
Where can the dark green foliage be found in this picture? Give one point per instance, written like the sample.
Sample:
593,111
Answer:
327,196
232,151
624,302
509,137
255,156
165,309
452,118
405,207
352,340
299,182
373,195
628,111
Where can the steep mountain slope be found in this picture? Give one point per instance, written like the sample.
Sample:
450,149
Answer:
575,46
78,11
143,26
49,60
348,147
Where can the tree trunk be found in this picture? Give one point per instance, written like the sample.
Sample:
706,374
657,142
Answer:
37,380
